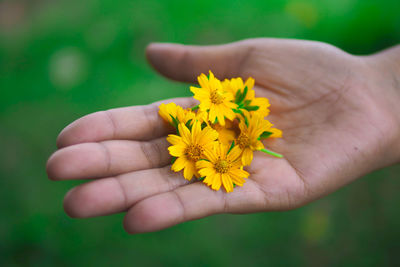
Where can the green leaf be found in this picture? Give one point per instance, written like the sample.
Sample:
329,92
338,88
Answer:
246,121
243,95
195,107
238,111
173,160
189,125
201,178
247,102
175,123
265,134
237,96
252,108
245,91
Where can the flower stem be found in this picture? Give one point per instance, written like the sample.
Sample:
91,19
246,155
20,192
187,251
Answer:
271,153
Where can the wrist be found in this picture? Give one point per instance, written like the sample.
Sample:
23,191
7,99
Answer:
386,79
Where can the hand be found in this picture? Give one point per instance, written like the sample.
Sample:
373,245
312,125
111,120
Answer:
337,112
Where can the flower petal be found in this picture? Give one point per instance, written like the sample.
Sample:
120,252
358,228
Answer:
179,164
177,150
174,139
234,153
227,182
196,131
247,156
203,164
210,154
275,132
240,173
216,182
205,172
189,170
185,133
249,83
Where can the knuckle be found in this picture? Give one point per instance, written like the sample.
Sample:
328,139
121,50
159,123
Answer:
152,153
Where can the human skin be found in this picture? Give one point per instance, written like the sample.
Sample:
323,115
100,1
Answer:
339,113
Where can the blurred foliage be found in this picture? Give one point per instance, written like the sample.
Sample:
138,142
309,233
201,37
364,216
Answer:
60,60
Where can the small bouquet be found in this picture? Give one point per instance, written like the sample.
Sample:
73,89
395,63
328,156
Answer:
216,139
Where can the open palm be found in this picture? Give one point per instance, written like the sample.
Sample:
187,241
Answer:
322,98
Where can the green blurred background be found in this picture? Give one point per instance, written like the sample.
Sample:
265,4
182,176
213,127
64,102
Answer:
60,60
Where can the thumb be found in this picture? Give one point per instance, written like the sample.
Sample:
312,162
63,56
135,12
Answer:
185,62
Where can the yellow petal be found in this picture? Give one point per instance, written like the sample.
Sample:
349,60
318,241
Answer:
205,105
231,105
199,93
179,164
203,164
210,154
221,118
207,172
216,183
275,132
163,113
203,80
196,130
240,173
189,170
236,179
225,136
227,182
185,133
249,83
174,139
212,115
230,114
234,153
208,180
209,134
177,150
247,156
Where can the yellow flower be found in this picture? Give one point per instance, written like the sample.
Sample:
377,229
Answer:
190,147
223,168
214,99
225,133
202,116
235,84
171,109
249,136
249,102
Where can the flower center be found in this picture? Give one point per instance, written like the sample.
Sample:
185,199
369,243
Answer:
216,97
243,140
193,152
222,166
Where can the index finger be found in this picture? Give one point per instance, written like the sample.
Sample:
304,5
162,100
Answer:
140,123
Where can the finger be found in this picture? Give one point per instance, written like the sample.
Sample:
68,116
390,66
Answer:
186,62
191,202
117,194
131,123
107,158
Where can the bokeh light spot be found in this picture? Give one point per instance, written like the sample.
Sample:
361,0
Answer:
305,12
68,68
